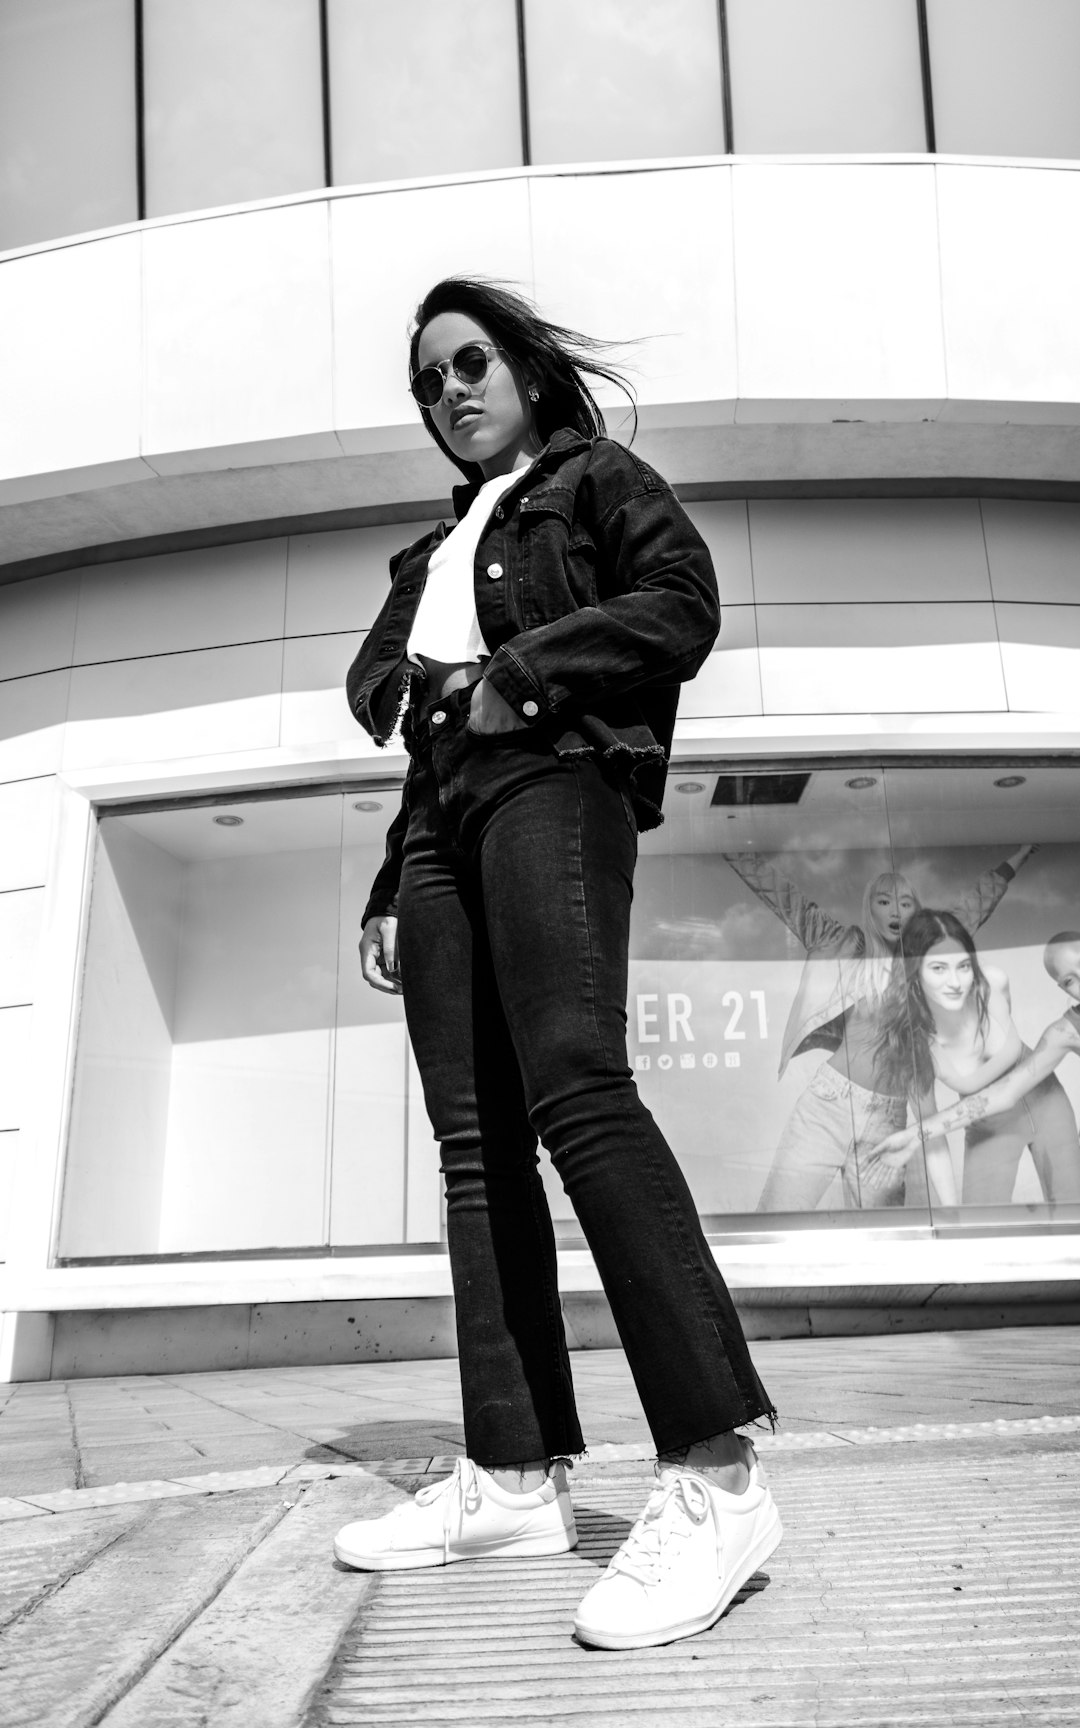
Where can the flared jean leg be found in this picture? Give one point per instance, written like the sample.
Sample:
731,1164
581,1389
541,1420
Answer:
556,867
517,1387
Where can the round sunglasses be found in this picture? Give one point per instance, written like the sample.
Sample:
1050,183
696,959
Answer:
471,363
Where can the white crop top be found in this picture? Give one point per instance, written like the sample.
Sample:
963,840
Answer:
446,627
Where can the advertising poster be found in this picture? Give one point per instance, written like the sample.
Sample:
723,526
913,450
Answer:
779,1032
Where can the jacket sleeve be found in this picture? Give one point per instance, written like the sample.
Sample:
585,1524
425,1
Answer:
811,926
382,900
658,619
981,898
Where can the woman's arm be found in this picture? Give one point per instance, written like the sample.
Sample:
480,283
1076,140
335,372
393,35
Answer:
806,920
1059,1038
983,896
378,943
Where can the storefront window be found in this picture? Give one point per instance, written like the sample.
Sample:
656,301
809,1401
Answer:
622,79
1005,76
821,958
237,1086
67,117
233,101
825,75
793,1004
422,87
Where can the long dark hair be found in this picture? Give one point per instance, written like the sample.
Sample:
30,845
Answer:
549,356
903,1066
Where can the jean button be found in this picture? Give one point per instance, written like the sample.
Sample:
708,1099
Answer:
438,717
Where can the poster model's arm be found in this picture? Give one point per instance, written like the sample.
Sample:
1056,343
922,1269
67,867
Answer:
805,919
975,907
1056,1042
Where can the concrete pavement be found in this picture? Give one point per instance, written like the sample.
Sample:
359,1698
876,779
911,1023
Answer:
165,1550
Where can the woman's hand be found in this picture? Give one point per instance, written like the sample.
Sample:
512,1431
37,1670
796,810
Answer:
378,955
489,712
894,1152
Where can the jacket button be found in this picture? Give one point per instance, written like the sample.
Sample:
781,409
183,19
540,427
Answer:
438,717
529,709
499,512
494,572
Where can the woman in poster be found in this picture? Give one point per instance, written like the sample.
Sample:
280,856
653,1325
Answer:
844,1110
1024,1106
945,1017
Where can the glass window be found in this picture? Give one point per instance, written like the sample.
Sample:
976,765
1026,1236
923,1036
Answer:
237,1085
233,101
825,75
821,959
780,1041
1006,77
67,118
619,79
422,87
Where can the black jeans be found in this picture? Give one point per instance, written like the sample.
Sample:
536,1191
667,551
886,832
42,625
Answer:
514,916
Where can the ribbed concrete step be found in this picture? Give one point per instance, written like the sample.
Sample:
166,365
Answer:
914,1586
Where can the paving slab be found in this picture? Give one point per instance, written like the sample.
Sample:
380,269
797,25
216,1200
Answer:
93,1636
257,1653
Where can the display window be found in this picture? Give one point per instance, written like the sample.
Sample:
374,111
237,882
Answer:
824,960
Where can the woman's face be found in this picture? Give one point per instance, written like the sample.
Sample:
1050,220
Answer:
490,423
947,975
891,908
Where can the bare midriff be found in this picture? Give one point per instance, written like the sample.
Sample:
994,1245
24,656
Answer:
855,1057
445,676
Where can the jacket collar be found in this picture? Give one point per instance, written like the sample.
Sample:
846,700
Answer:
560,444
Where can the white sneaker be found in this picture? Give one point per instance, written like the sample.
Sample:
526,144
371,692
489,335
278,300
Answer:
467,1516
690,1552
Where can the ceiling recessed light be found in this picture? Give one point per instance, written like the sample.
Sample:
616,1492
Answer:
229,821
689,786
861,782
366,804
1009,780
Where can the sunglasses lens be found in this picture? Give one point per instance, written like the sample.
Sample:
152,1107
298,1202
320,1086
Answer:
427,386
470,363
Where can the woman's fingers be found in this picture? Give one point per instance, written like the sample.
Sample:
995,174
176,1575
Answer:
378,955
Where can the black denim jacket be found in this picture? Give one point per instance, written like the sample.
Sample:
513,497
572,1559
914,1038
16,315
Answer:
597,597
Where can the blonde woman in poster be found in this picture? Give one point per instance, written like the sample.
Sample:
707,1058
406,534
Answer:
844,1110
948,1018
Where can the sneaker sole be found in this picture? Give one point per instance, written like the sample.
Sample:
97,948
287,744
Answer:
602,1639
412,1559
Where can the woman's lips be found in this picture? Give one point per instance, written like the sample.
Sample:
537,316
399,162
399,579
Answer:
464,417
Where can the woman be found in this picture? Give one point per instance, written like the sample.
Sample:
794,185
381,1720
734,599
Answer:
1017,1107
947,1018
541,644
843,1110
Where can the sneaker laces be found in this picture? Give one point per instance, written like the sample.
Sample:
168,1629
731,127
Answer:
461,1491
678,1506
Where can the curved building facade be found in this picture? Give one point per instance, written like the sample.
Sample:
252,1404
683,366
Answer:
842,272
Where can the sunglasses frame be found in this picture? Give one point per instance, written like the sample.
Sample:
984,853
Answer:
445,367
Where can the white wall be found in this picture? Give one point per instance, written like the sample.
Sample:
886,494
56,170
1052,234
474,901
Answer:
931,299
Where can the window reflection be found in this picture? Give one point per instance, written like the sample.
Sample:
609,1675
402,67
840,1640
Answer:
1006,77
233,101
422,87
825,75
67,117
622,79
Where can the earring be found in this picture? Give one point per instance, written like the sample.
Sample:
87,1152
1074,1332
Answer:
534,394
